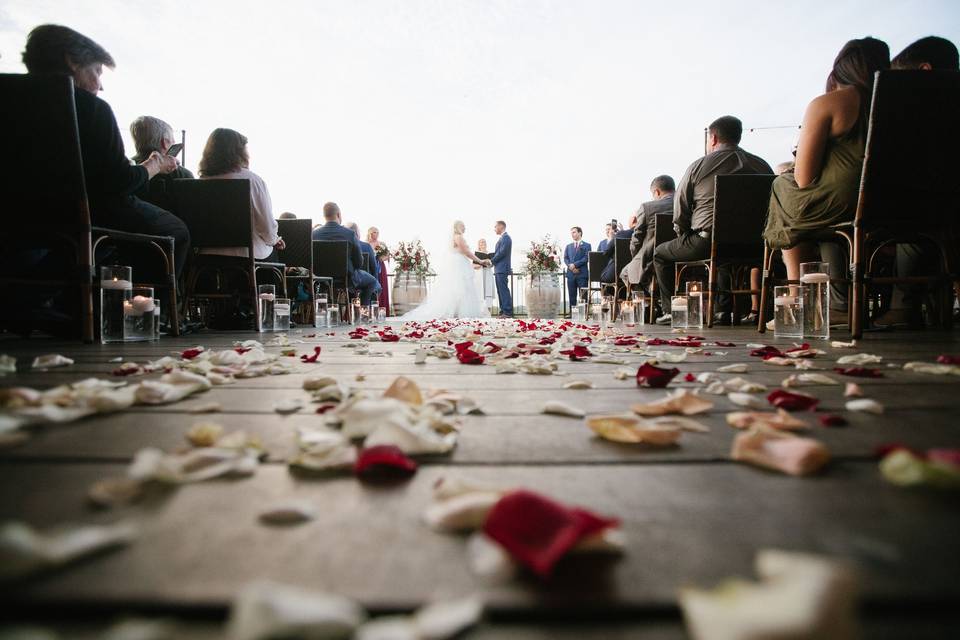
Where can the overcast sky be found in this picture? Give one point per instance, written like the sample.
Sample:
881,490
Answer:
412,114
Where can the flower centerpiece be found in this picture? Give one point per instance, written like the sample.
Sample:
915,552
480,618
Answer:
544,294
412,264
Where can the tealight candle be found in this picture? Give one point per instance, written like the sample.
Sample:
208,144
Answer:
142,304
116,284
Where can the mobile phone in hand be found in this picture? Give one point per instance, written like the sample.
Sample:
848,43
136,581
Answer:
175,149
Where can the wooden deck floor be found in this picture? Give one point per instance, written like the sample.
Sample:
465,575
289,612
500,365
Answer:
690,514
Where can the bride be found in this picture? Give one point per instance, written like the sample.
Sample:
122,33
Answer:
454,293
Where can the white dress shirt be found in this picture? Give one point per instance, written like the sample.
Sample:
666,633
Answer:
264,226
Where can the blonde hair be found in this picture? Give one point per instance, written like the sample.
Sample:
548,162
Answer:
370,232
458,226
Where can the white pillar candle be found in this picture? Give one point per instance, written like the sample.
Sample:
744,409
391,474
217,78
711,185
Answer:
142,304
116,284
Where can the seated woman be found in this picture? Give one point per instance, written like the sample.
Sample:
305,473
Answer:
225,156
823,188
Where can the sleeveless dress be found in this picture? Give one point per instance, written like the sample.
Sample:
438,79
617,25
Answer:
796,213
454,293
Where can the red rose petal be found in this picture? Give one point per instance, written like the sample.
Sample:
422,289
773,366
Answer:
690,377
944,456
579,352
656,342
802,347
494,348
833,420
859,372
469,356
789,401
190,354
313,358
724,344
625,342
948,359
241,350
386,336
767,352
538,531
883,450
649,375
383,462
326,407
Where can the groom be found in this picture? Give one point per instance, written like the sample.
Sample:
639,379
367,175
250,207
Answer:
501,269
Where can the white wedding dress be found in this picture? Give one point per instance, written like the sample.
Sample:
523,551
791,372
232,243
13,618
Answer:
454,293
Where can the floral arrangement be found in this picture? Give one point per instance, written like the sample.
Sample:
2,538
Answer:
542,257
411,257
383,251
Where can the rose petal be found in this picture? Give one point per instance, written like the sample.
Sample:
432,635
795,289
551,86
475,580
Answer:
383,462
578,384
649,375
266,609
774,420
948,359
405,390
865,404
934,369
852,390
682,402
859,372
204,434
537,531
832,420
313,358
780,451
859,359
190,354
734,368
632,430
792,401
288,512
468,356
51,361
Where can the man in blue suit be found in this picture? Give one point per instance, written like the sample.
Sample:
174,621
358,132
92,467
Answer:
575,257
332,230
502,269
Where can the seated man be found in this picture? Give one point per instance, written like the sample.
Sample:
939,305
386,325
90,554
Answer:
332,230
640,269
575,256
153,134
609,271
693,207
608,233
373,265
927,54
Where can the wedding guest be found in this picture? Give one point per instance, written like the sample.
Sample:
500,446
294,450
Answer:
111,181
755,282
332,230
642,241
225,156
928,54
383,256
575,256
373,265
609,274
153,134
608,233
286,215
502,268
693,207
824,186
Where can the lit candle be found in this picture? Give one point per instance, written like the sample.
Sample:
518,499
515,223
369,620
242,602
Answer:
269,297
127,308
119,285
142,304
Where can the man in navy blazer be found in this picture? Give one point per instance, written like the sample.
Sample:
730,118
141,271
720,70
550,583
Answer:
332,230
575,257
502,269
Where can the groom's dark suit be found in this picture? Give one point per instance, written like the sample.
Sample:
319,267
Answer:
501,271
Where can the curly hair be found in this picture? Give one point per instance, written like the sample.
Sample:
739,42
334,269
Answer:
225,152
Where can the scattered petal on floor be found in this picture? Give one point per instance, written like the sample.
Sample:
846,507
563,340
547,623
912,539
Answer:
852,390
746,400
383,463
489,561
462,512
792,401
51,361
26,551
934,369
111,492
195,465
447,618
291,405
807,379
859,372
780,451
405,390
649,375
681,401
206,407
832,420
578,384
266,609
836,344
907,468
866,405
799,596
734,368
633,430
323,450
562,409
204,434
288,512
778,419
859,359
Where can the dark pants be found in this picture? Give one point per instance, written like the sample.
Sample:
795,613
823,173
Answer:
504,299
576,281
136,216
689,246
367,285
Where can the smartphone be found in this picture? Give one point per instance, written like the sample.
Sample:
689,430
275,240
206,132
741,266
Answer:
175,149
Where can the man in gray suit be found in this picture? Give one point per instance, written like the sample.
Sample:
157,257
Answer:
640,268
693,208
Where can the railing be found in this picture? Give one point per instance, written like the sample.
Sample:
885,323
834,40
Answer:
518,287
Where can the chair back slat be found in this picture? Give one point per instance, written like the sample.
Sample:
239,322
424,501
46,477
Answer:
217,212
42,167
621,254
299,249
663,225
596,261
910,160
740,209
330,259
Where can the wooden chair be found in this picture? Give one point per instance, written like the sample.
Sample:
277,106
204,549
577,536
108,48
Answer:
596,261
331,261
908,187
218,215
45,193
739,214
298,252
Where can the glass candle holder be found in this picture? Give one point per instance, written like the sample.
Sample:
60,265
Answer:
156,319
596,313
678,312
815,278
266,297
320,316
628,314
354,311
116,287
372,313
138,315
788,312
281,314
333,315
381,314
575,313
694,305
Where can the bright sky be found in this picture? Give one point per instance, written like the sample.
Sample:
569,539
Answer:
412,113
